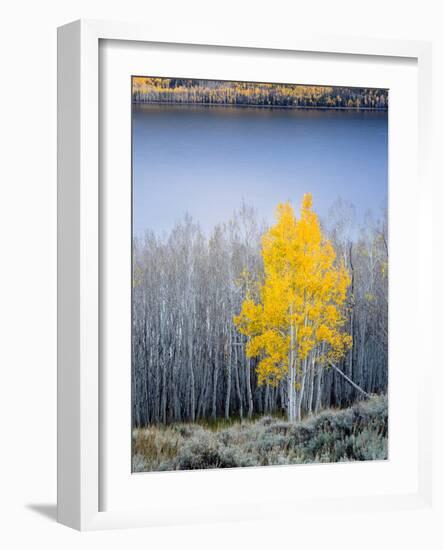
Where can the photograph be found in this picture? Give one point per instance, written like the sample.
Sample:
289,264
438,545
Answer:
259,281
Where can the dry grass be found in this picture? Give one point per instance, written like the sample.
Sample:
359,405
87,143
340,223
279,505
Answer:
357,433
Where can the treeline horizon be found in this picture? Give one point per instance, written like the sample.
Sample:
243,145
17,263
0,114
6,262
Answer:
213,92
188,358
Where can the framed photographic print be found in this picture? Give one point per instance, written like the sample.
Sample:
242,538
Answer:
235,222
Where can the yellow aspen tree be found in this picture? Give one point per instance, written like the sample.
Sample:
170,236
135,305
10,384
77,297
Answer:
296,318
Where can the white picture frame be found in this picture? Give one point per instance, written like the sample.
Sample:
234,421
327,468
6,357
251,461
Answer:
82,410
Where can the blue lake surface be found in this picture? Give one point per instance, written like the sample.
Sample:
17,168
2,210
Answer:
204,160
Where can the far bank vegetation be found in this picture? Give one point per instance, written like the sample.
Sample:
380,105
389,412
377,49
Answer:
213,92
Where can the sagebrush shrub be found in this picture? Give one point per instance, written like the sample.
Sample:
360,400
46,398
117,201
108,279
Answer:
357,433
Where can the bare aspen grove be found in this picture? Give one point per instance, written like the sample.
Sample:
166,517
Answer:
287,323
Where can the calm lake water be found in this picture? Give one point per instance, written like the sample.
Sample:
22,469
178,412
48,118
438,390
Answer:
204,160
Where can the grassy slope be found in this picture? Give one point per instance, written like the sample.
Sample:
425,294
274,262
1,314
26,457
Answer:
357,433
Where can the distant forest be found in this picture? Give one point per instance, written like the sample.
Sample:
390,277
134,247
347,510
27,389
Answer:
214,92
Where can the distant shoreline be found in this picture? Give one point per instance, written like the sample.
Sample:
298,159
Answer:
258,105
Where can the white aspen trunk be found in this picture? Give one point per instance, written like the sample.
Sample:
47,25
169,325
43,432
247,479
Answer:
302,389
248,387
353,384
157,383
311,384
228,390
237,384
192,379
192,404
289,404
290,387
214,388
202,401
282,395
291,378
136,410
175,384
319,388
267,407
228,379
293,393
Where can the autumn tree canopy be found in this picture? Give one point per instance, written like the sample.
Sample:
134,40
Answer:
294,318
216,92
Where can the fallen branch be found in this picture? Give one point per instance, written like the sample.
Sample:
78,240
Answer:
353,384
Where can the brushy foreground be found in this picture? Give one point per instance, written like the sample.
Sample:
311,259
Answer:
357,433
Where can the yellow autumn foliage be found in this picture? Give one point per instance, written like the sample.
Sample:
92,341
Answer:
226,89
302,295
